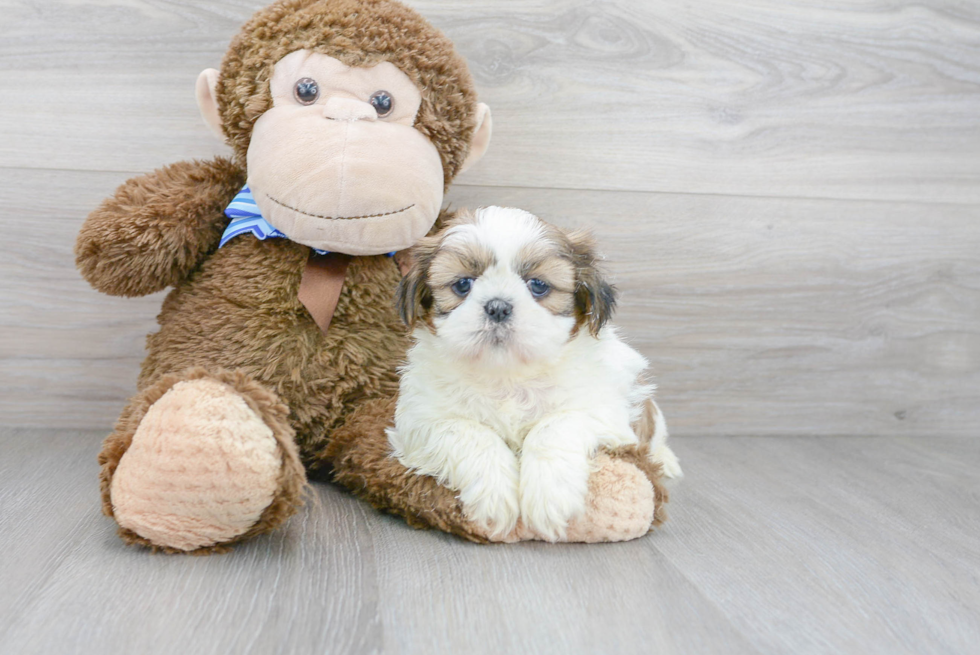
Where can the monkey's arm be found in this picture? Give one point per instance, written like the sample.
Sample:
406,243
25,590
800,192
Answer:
157,228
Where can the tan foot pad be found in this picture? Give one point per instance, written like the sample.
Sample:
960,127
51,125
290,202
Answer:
201,468
619,507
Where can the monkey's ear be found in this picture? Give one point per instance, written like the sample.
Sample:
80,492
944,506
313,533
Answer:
481,137
414,297
595,299
206,92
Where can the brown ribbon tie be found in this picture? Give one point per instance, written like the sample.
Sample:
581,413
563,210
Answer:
323,280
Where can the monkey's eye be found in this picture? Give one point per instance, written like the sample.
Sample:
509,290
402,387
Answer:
539,288
306,91
462,286
382,102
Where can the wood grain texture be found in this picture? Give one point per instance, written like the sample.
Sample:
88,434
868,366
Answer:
759,316
833,99
789,196
810,545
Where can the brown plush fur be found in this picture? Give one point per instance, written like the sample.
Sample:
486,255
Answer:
292,477
640,457
234,314
173,219
240,310
358,33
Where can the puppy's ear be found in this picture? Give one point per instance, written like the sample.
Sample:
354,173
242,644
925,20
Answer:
414,296
595,299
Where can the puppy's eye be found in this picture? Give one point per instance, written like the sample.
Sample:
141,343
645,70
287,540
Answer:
538,287
306,91
382,102
462,286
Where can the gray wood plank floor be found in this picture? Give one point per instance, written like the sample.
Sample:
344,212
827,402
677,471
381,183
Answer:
789,195
775,545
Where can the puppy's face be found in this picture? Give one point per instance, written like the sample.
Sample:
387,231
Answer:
501,286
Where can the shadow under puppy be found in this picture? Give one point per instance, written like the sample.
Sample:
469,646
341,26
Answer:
515,381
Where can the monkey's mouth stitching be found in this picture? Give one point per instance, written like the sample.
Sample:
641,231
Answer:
338,218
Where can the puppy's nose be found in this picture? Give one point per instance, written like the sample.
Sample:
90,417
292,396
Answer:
498,310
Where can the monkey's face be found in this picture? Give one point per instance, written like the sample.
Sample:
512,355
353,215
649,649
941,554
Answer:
336,163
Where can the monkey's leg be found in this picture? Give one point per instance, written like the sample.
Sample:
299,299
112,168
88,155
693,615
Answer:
200,460
360,456
625,499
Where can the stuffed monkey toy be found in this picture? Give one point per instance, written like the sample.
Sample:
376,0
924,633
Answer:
278,344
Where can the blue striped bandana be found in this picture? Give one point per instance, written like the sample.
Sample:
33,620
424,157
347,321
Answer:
246,217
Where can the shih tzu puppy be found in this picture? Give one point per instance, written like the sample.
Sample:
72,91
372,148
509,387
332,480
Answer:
515,380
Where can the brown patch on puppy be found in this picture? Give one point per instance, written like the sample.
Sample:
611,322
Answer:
567,261
533,256
454,262
413,298
459,260
426,290
595,299
639,455
549,260
646,425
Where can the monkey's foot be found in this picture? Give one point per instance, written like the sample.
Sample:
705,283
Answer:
620,506
205,466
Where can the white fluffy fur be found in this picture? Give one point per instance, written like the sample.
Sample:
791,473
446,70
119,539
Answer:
512,416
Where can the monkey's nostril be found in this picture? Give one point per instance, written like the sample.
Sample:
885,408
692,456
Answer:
498,310
346,109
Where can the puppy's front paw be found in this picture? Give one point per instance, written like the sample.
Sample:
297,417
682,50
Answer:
551,496
493,505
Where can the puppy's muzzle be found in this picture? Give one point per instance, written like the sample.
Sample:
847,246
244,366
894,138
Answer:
498,310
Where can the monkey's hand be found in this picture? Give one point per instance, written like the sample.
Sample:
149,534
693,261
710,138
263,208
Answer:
157,228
